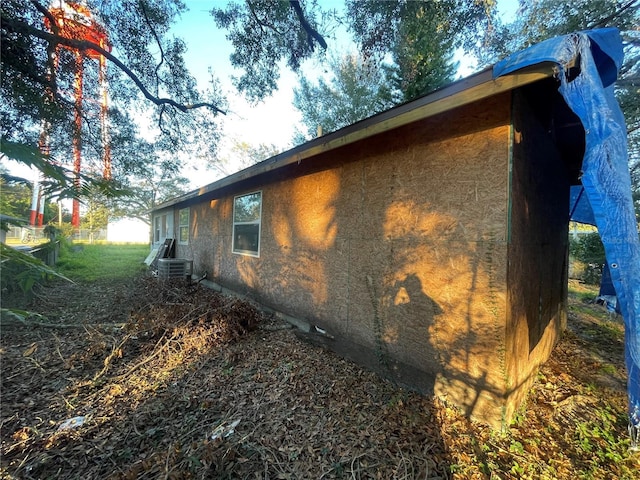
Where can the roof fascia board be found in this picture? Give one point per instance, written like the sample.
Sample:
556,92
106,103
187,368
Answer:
460,93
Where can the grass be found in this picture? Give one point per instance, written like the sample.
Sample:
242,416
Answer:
102,261
584,292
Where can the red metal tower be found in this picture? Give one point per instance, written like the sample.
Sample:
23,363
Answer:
73,20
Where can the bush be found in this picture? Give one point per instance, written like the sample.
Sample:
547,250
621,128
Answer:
588,250
21,271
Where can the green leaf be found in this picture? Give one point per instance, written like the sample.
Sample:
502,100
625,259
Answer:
33,157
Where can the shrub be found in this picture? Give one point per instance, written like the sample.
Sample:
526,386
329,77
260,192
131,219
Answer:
588,250
21,271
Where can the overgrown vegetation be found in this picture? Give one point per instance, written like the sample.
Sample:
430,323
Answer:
23,276
20,272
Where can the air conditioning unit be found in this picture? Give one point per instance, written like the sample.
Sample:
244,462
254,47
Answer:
174,267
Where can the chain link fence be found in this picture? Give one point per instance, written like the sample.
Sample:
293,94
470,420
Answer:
36,235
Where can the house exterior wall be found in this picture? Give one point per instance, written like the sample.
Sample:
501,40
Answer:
537,279
396,245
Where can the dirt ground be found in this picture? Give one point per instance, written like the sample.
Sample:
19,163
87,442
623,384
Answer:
158,380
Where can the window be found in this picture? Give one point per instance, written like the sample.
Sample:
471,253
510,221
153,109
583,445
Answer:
156,230
183,226
247,211
162,228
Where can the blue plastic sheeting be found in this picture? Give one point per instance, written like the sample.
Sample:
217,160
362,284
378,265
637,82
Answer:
580,209
606,179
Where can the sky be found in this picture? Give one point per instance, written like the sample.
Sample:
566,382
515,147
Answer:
209,49
272,121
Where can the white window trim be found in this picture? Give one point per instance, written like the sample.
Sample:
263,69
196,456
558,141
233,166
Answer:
165,227
248,253
187,225
156,229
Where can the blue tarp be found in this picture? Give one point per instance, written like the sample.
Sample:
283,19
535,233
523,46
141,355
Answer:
606,200
579,207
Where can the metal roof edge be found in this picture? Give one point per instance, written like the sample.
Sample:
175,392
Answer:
459,93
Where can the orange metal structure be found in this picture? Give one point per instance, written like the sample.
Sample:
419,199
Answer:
74,20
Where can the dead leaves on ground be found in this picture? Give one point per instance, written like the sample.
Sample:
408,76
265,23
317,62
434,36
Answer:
191,387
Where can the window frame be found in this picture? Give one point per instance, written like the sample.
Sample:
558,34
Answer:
258,222
156,229
162,227
185,226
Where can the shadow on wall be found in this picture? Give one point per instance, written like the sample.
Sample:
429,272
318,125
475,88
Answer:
447,346
397,247
408,300
403,321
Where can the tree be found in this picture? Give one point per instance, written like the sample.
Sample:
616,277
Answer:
356,90
15,198
154,180
39,65
406,51
264,32
147,66
589,250
542,19
422,54
96,216
420,36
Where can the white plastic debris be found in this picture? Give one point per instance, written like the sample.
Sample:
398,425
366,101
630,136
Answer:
223,430
70,423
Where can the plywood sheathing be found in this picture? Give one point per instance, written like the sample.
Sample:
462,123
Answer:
537,285
396,244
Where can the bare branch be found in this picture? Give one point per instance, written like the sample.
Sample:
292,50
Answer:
84,45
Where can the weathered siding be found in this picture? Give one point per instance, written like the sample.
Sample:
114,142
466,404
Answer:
396,245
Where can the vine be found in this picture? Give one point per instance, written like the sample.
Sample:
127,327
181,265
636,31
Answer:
381,350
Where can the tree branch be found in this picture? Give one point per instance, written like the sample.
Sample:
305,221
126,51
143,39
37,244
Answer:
155,35
311,32
84,45
255,17
51,48
605,21
44,11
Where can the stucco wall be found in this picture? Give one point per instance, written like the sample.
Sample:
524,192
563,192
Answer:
395,245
